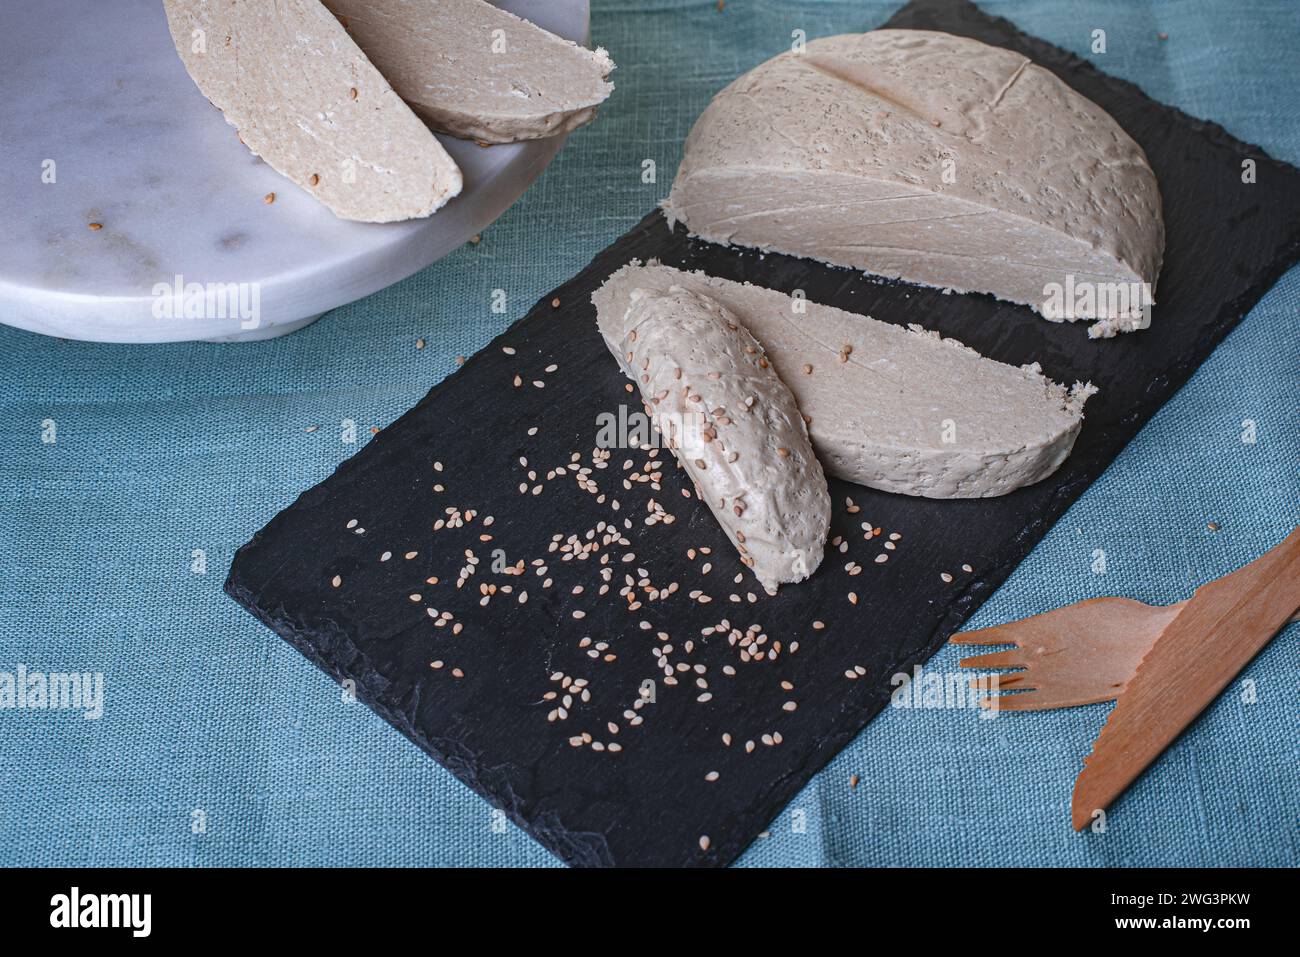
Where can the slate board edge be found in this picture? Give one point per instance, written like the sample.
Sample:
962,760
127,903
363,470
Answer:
566,844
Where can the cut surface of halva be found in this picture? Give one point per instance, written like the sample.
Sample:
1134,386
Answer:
305,98
932,158
476,71
733,425
893,408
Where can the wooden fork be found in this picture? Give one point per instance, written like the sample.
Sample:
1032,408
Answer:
1079,654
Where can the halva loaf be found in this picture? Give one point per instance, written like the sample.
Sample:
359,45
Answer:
731,422
305,99
936,159
894,408
476,71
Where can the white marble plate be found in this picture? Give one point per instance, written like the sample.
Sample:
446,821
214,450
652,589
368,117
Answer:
93,92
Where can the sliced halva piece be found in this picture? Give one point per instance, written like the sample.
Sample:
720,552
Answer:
478,72
933,158
305,98
731,422
896,409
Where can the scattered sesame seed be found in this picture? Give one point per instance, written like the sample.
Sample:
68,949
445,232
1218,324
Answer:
712,776
818,625
704,842
945,576
269,198
853,780
313,179
94,227
789,706
336,581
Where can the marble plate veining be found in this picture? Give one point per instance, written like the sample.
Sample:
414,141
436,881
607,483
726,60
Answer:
101,123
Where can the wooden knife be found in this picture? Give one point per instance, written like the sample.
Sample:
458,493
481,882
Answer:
1221,628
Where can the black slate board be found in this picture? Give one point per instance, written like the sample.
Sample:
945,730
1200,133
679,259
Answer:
649,803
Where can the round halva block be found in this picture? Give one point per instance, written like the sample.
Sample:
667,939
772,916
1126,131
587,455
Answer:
893,408
476,71
936,159
732,423
305,98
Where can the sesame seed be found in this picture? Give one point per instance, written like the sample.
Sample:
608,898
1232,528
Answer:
269,198
881,559
818,625
712,776
789,706
94,227
967,569
853,780
704,842
945,576
807,369
435,665
336,581
313,179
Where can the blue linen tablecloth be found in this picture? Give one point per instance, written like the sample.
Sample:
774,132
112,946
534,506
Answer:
220,745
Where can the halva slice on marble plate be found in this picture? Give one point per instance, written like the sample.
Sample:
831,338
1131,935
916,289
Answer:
936,159
305,98
476,71
732,423
893,408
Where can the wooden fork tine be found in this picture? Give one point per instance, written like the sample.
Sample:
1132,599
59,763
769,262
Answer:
1011,658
